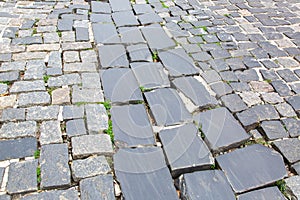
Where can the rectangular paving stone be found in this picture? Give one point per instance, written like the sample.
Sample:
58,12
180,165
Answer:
142,8
80,67
8,101
18,148
33,98
50,132
131,126
252,167
27,86
100,7
11,66
293,185
177,62
27,40
67,79
120,85
76,46
131,35
91,80
195,91
75,127
22,177
150,18
234,102
35,70
9,76
210,185
101,18
105,33
265,193
65,24
157,38
113,56
184,149
167,107
142,172
289,148
150,75
86,145
89,167
124,18
86,95
18,129
96,118
82,34
294,101
120,5
274,130
292,126
139,52
98,187
39,113
71,193
55,171
73,112
222,131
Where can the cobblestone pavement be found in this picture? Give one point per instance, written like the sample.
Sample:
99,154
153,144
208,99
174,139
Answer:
150,99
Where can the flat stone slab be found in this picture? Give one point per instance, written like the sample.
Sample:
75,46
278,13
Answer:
178,62
113,56
96,118
266,193
33,98
131,126
157,38
73,112
86,95
55,171
100,7
42,113
27,86
142,172
167,107
18,148
222,131
252,167
234,102
98,187
210,185
13,114
89,167
86,145
185,150
125,18
120,85
290,149
139,52
71,193
105,33
150,75
195,91
50,132
131,35
293,184
120,5
274,130
22,177
18,129
75,127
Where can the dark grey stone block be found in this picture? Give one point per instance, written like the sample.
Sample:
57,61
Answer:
100,7
71,193
273,130
55,171
22,177
290,148
150,75
139,52
296,167
265,112
42,113
120,5
113,56
252,167
73,112
220,54
105,33
294,101
210,185
281,88
195,91
247,75
75,127
131,35
293,186
142,8
221,88
287,75
157,38
293,126
120,85
82,34
125,18
131,126
98,187
101,18
18,129
234,103
27,40
167,106
142,172
65,24
201,56
150,18
10,32
266,193
177,62
18,148
222,131
211,76
184,149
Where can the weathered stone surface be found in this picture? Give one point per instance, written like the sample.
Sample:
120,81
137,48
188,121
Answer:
294,101
266,193
167,107
50,132
27,86
65,24
91,80
281,88
71,56
131,126
18,148
18,129
22,177
292,126
90,95
125,18
33,98
151,34
67,79
80,67
100,7
105,33
221,129
98,187
82,34
274,130
150,75
60,96
139,52
184,149
205,184
13,114
5,197
42,113
96,118
296,167
143,172
120,85
252,167
28,40
120,5
71,193
55,171
234,102
293,183
113,56
89,167
177,62
150,18
290,148
73,112
131,35
272,98
221,88
7,101
75,127
248,119
9,76
86,145
3,88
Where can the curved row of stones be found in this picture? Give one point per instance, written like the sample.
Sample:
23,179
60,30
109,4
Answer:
199,99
